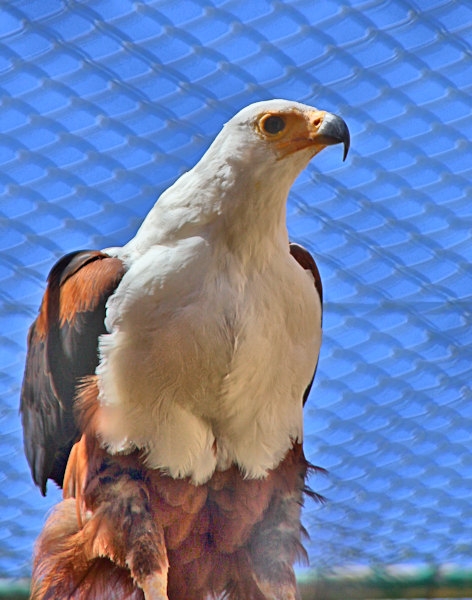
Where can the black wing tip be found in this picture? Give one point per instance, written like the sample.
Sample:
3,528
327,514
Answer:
37,464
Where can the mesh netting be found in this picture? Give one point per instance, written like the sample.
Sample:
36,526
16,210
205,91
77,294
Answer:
105,102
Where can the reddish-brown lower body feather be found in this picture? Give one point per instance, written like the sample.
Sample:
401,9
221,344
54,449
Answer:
122,529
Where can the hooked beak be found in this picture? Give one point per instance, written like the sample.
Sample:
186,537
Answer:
333,130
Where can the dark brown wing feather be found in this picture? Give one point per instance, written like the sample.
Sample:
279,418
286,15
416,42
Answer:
306,260
62,349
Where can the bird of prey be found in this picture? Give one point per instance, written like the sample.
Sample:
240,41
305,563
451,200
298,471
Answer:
165,382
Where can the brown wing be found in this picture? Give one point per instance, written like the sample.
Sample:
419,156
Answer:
306,260
62,349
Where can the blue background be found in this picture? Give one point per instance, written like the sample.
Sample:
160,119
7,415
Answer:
105,103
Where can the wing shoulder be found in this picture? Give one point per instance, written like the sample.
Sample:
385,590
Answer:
62,349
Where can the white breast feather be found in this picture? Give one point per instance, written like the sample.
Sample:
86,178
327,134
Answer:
227,360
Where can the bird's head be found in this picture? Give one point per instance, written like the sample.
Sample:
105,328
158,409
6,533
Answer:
281,130
244,178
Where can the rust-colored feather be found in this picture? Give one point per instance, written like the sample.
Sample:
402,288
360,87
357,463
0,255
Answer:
211,545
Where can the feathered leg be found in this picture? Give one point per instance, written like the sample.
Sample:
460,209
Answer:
104,541
276,542
123,528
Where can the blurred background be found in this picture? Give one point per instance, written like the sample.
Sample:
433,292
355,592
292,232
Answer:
105,103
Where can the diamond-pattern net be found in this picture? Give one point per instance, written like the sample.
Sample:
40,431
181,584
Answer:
105,103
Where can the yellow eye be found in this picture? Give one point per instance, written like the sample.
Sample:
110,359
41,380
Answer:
272,124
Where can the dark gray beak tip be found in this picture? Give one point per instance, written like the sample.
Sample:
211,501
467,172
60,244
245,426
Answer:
347,143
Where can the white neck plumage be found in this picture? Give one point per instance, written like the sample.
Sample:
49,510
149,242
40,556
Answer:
224,201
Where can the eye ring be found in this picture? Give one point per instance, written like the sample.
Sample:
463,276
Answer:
272,124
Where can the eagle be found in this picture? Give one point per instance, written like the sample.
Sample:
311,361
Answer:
165,382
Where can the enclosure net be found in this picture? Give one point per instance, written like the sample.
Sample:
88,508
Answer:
105,103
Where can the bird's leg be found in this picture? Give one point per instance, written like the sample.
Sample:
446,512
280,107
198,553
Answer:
125,529
275,546
121,527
